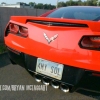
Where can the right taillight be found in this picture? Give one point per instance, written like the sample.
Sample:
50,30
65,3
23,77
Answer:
18,30
90,42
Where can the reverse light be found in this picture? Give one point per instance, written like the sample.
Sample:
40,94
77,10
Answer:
90,42
13,28
23,31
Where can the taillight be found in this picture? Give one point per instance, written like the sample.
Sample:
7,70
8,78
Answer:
13,28
23,31
18,30
90,42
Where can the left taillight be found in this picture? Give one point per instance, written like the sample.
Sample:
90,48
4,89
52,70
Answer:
90,42
17,29
13,28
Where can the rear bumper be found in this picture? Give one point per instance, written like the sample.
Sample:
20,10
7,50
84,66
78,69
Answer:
72,76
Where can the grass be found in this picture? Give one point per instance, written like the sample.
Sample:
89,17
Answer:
2,48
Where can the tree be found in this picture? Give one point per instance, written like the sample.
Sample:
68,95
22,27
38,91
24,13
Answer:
61,4
95,2
40,6
70,2
32,3
79,2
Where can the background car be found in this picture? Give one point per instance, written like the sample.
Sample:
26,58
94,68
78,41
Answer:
61,46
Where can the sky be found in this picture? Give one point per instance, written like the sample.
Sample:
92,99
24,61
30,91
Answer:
53,2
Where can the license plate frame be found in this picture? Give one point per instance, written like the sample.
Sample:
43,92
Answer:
49,68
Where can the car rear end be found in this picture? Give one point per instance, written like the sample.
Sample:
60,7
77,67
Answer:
61,52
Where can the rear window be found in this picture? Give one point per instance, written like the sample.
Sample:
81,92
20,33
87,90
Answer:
83,13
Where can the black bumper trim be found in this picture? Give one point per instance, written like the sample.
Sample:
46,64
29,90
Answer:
76,77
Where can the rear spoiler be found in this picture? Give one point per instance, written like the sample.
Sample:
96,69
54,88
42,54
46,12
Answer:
93,25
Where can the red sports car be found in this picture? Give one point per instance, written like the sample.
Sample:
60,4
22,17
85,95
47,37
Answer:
62,46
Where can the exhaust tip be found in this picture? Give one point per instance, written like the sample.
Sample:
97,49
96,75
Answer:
55,84
38,78
46,81
64,88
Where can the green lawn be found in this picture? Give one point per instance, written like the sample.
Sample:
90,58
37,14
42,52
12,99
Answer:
2,48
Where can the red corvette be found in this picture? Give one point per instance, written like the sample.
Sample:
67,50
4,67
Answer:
62,47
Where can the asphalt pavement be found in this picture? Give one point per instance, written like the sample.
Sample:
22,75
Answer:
15,75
